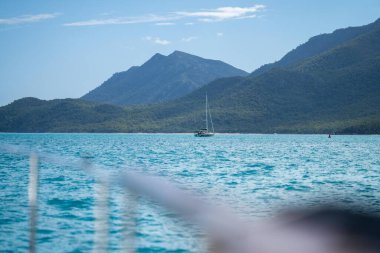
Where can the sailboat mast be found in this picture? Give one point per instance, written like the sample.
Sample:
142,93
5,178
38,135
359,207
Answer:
206,114
212,125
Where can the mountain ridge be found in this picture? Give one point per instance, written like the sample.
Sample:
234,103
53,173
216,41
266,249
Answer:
315,45
161,78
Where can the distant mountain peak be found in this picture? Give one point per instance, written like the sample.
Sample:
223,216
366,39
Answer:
175,53
157,56
179,53
161,78
182,55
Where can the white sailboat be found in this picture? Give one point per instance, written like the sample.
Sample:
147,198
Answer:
204,132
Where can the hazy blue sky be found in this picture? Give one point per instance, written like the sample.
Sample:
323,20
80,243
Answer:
58,49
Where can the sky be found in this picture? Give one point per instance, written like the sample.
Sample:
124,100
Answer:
63,49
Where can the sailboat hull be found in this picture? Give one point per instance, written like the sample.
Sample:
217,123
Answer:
204,134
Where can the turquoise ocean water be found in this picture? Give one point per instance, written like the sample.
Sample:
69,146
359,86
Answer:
256,175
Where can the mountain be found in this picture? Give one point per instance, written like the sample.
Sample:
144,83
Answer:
316,45
336,90
160,79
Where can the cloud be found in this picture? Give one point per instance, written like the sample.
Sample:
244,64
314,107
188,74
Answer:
165,23
224,13
219,34
161,41
212,15
123,20
157,40
27,19
107,13
189,39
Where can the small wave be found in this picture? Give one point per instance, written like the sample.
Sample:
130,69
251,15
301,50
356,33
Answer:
160,250
55,179
69,204
245,173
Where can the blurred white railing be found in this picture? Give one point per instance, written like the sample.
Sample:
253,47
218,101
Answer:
216,222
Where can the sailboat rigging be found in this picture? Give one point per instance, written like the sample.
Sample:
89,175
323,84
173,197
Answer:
204,132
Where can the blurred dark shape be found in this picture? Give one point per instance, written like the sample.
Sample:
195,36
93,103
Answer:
356,231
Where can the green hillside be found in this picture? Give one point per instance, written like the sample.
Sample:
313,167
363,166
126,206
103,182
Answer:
317,45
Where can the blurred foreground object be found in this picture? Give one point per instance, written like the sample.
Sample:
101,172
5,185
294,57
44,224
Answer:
32,196
323,230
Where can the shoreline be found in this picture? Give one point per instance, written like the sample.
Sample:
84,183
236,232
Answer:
187,133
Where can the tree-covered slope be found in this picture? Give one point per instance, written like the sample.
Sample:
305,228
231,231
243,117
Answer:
66,115
316,45
160,79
